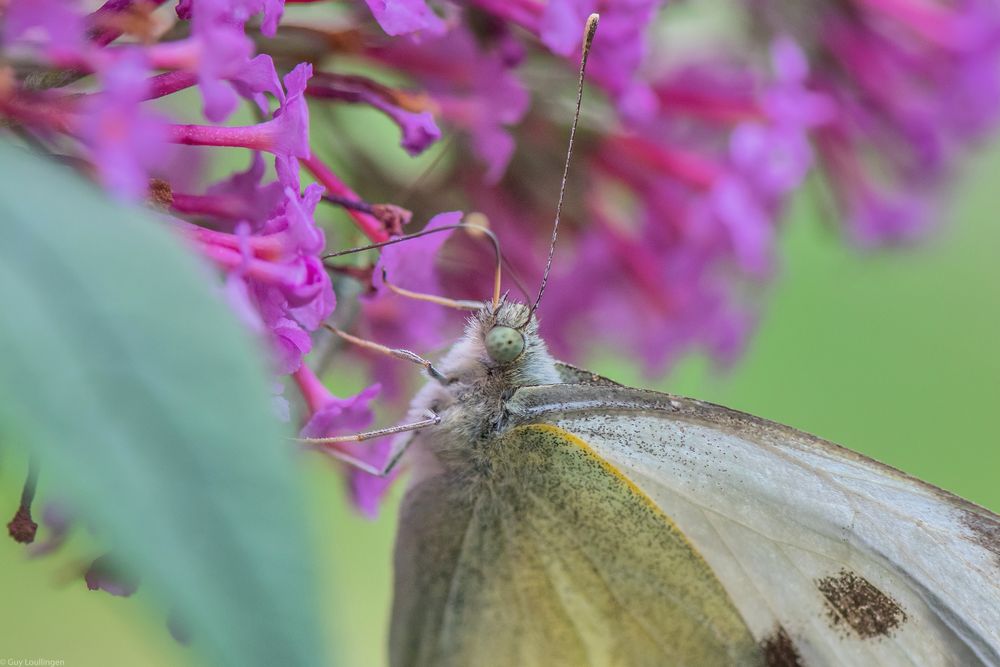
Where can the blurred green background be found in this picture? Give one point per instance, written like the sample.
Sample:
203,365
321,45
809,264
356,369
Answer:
894,354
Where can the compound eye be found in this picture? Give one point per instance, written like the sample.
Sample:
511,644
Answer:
504,344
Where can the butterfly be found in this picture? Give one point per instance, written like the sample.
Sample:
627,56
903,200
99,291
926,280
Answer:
555,517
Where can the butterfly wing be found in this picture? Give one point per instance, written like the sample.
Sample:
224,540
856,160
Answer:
573,375
547,557
830,557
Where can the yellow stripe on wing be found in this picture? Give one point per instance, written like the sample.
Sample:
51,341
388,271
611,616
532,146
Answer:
581,444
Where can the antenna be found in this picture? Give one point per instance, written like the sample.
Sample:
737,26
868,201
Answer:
461,225
588,39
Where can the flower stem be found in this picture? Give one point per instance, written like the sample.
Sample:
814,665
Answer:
207,135
168,83
314,392
102,21
372,227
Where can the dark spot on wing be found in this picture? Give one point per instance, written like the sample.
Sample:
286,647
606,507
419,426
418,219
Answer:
854,601
985,531
779,651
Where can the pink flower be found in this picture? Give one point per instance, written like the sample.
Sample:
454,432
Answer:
223,51
255,79
399,17
617,52
286,135
273,10
474,89
681,208
275,270
289,130
237,11
331,416
220,53
418,127
411,265
290,343
59,24
241,197
658,303
124,138
398,321
914,83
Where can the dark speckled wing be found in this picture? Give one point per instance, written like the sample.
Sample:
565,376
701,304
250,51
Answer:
551,558
830,557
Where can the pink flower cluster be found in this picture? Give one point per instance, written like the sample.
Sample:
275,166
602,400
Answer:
914,83
683,170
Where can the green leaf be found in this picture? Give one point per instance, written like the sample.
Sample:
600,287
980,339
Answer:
148,404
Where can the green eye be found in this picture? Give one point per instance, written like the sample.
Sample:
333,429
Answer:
504,344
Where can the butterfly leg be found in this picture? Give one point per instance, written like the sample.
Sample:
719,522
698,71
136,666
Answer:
399,353
457,304
398,446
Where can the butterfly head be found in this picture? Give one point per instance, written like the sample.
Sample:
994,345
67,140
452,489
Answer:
505,329
508,335
504,344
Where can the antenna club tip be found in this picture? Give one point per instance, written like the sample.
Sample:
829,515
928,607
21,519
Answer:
591,27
